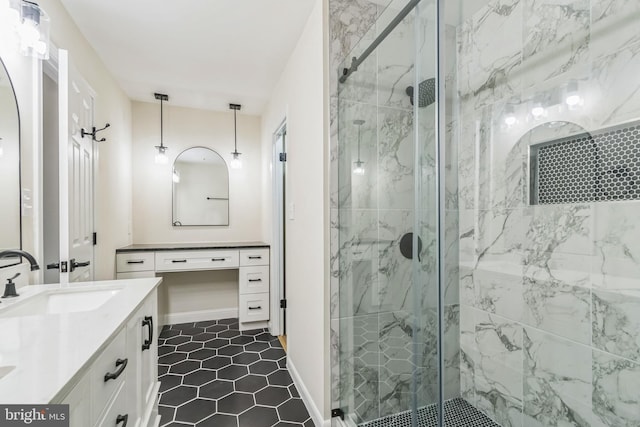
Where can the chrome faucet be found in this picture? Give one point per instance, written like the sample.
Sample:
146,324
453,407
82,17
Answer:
16,252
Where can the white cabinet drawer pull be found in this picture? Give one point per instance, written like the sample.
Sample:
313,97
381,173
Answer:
178,260
255,308
148,321
255,280
218,259
136,261
255,257
122,363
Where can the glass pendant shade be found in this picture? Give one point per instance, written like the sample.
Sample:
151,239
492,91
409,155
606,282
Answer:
161,155
358,168
236,163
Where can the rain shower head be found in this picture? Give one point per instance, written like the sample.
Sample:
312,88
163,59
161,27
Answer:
426,93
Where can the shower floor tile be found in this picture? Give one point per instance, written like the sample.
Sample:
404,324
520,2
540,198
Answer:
457,413
212,374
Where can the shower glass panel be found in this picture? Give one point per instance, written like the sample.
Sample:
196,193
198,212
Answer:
388,336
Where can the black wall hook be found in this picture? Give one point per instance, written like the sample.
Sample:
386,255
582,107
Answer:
94,132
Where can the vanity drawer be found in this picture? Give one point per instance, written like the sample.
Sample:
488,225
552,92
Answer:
254,257
196,260
254,280
254,307
111,364
118,411
135,261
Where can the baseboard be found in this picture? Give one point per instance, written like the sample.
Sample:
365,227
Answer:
199,316
316,414
252,325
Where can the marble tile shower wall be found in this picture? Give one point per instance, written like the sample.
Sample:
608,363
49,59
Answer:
550,294
373,298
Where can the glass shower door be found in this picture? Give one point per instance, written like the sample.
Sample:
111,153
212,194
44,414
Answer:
386,227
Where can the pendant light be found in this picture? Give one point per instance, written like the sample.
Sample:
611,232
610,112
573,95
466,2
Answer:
358,166
236,163
161,155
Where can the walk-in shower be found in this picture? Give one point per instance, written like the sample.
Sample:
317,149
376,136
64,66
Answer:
499,141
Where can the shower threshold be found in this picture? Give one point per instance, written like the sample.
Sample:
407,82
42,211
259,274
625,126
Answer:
457,413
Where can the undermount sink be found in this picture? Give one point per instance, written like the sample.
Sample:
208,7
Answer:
60,301
4,370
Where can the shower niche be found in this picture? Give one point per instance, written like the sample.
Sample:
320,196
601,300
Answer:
598,166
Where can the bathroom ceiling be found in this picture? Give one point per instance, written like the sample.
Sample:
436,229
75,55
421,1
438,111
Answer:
202,53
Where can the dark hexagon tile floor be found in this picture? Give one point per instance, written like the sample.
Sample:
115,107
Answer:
213,375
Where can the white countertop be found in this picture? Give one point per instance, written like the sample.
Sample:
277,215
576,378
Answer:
48,351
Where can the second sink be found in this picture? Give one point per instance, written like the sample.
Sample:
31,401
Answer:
60,301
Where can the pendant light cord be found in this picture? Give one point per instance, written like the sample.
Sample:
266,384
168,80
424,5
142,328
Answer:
161,97
235,132
161,124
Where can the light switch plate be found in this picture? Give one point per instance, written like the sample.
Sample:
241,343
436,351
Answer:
292,211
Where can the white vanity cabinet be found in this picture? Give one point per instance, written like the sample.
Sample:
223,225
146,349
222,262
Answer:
120,386
135,265
79,401
142,340
253,287
196,260
250,259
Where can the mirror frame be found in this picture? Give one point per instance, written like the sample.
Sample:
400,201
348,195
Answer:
8,262
176,223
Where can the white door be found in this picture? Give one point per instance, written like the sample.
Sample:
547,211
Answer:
76,173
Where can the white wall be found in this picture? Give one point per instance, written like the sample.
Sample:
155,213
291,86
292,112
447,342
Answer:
300,97
152,183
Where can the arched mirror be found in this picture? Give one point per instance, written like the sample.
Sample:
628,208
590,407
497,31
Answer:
10,219
200,188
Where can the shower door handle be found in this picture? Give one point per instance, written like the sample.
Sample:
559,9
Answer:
406,246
